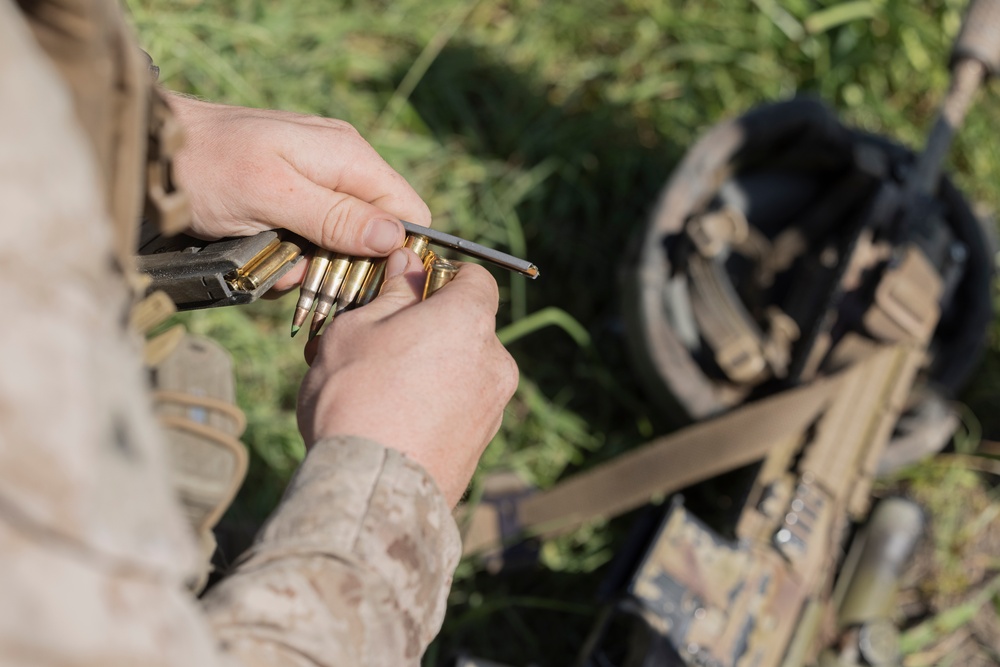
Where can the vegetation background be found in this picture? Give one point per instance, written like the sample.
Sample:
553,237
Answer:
547,129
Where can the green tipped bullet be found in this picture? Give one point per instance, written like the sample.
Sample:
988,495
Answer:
315,276
327,295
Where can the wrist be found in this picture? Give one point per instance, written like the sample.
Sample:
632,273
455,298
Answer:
188,110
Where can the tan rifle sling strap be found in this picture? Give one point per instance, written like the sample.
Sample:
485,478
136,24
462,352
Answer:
744,352
694,454
660,467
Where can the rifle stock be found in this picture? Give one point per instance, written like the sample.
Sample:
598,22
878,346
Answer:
763,599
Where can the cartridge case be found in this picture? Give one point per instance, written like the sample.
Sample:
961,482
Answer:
316,272
234,278
332,282
418,243
311,284
441,273
260,256
372,284
253,278
360,266
313,280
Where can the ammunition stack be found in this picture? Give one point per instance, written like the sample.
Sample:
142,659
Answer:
336,282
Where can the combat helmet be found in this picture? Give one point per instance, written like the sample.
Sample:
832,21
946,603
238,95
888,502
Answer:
781,234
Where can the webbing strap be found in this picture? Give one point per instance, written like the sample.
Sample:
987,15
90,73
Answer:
663,466
219,405
734,338
207,496
905,305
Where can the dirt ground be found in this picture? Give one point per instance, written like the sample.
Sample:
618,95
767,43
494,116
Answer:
951,592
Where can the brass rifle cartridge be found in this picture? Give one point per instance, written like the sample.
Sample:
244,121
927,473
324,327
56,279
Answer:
234,277
360,266
250,279
418,243
376,276
440,274
372,284
311,284
328,291
318,265
351,282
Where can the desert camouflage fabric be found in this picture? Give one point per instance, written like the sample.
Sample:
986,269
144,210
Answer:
354,566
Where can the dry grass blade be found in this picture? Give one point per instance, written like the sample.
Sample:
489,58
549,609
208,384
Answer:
946,622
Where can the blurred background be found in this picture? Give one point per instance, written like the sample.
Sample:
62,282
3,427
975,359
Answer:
546,129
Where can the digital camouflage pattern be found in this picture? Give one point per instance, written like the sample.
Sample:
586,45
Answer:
354,566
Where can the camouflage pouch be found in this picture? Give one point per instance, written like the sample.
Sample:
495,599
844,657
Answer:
194,394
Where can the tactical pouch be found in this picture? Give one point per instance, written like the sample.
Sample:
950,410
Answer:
194,399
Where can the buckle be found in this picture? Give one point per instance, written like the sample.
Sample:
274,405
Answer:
503,493
906,300
166,205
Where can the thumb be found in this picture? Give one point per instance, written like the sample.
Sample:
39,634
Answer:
402,286
336,221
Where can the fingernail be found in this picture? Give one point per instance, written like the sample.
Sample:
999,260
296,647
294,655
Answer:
383,236
395,264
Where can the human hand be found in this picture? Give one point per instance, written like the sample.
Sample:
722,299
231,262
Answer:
430,379
249,170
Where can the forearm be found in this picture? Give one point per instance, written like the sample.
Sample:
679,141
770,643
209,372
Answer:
353,568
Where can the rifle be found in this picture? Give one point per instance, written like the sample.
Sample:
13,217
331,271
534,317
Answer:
804,572
765,596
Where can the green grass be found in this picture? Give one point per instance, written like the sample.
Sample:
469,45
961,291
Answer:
547,128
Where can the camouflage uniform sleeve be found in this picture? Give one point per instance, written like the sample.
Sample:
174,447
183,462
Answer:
353,568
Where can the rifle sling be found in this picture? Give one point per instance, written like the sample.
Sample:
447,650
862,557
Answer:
663,466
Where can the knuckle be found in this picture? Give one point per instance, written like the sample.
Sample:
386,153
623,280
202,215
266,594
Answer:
279,134
335,232
483,281
507,374
342,126
350,130
482,321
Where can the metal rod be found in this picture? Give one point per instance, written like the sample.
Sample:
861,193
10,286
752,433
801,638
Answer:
501,259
